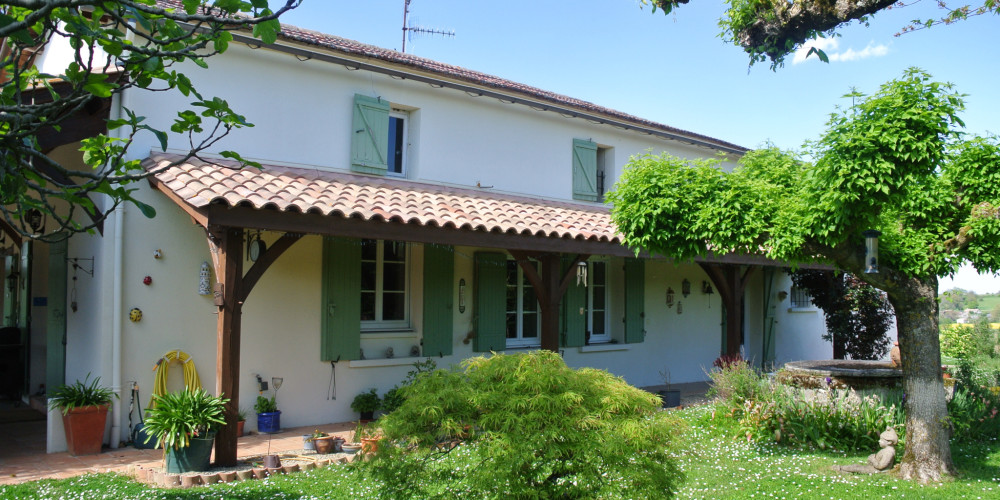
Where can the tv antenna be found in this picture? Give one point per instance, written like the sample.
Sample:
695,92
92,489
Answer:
409,31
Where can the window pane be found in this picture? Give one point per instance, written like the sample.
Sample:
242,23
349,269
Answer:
512,325
530,325
369,249
394,277
598,327
367,306
530,302
599,298
368,276
394,251
396,145
600,274
393,306
511,273
512,299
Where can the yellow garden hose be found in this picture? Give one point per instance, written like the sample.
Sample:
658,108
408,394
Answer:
191,380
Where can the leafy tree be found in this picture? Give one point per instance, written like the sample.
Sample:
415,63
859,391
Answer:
896,162
772,29
857,314
535,429
118,46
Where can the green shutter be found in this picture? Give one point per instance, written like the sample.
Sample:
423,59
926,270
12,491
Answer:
341,300
635,296
370,135
491,301
585,170
439,274
573,320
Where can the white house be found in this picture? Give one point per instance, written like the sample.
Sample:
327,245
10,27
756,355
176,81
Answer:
404,205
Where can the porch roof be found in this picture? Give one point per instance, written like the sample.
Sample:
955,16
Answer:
218,193
326,202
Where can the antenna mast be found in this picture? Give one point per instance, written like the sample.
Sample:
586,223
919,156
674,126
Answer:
418,29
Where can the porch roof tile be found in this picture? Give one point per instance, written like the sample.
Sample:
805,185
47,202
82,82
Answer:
288,189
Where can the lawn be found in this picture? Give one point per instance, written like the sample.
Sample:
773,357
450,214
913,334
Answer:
717,465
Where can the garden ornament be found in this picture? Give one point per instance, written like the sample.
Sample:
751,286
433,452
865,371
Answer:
879,461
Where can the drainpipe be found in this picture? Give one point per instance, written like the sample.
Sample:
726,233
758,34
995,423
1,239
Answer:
116,315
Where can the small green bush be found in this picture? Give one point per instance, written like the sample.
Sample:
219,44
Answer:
734,383
533,427
366,401
80,394
265,405
179,416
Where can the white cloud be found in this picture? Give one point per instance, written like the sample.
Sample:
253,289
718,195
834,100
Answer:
830,45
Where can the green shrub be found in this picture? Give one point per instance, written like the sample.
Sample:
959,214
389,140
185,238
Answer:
533,427
394,397
265,405
179,416
844,421
80,394
366,401
734,383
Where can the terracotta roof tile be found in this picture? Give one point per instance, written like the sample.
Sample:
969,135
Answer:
346,195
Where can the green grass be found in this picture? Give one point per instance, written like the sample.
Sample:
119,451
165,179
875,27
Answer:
717,464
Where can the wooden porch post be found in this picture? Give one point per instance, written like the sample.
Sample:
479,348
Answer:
227,250
730,281
549,289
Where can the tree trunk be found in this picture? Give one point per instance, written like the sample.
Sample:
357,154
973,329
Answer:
928,454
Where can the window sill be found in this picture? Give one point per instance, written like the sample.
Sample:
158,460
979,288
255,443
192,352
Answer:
372,363
802,309
392,334
523,348
605,347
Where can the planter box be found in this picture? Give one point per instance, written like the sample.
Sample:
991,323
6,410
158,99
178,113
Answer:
85,429
196,457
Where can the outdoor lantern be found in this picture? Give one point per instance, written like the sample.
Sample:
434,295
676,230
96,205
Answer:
581,273
871,251
685,288
35,220
670,297
706,288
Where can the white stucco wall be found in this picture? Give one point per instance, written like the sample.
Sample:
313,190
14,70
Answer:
303,116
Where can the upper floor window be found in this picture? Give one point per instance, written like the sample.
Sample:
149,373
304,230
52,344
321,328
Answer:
384,285
378,137
523,318
397,144
590,163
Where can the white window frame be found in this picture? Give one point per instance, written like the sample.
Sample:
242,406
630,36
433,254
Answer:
378,325
606,336
522,281
405,116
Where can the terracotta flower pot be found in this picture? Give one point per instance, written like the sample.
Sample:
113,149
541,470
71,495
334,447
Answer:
85,429
324,445
370,445
239,427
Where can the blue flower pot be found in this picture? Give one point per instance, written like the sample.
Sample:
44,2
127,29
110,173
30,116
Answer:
269,422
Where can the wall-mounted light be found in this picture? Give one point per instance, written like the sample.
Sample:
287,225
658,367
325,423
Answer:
35,219
461,296
871,251
685,288
706,288
670,297
581,273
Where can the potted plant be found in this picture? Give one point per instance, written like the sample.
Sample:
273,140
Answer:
241,420
268,415
671,397
184,424
321,442
84,406
366,403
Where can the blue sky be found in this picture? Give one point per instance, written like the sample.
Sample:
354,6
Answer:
675,69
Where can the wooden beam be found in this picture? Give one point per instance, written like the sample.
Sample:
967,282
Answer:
550,287
264,262
731,282
11,232
199,215
227,249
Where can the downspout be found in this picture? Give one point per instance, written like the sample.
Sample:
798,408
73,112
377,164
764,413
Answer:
116,315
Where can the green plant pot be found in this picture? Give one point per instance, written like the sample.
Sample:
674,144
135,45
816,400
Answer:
196,457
